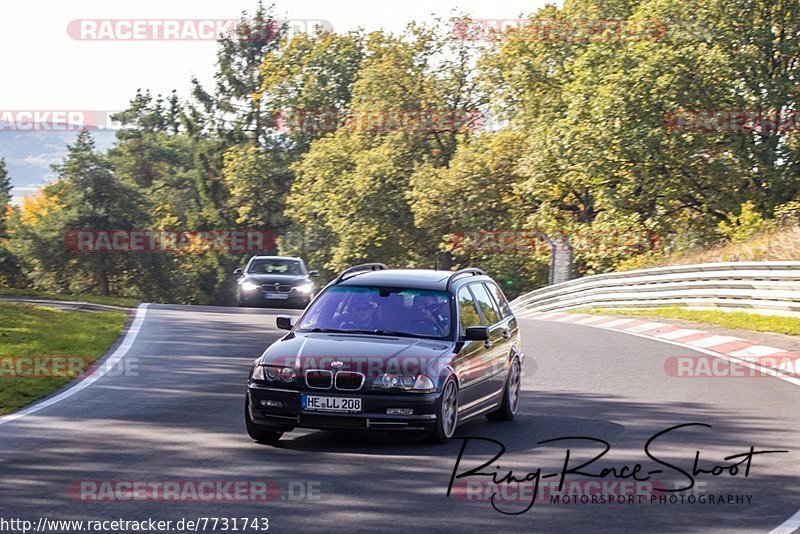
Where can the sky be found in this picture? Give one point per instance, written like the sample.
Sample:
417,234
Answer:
45,68
51,70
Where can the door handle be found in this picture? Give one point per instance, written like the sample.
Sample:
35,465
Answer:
506,335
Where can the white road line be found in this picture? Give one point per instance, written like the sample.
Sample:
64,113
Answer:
788,526
647,326
755,351
122,350
594,319
616,323
675,334
711,341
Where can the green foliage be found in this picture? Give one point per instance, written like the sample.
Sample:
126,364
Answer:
788,214
583,144
743,225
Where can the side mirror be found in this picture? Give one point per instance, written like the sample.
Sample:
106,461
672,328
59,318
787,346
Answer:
313,273
238,271
477,333
284,322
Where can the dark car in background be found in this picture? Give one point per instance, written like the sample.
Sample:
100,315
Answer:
275,281
384,349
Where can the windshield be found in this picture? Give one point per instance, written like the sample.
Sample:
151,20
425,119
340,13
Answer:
267,266
381,311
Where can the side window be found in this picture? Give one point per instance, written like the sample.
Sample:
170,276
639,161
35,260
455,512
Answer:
490,314
467,312
500,299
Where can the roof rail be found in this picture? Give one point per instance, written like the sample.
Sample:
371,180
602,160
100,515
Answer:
358,268
469,270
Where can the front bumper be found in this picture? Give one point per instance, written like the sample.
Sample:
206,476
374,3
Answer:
293,300
372,417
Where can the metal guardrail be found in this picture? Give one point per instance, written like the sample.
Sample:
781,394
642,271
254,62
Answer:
771,287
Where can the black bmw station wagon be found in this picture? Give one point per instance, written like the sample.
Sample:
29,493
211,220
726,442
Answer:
390,349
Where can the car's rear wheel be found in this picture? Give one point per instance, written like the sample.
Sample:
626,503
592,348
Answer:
257,432
510,404
446,413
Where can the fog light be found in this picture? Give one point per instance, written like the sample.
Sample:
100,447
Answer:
399,411
272,403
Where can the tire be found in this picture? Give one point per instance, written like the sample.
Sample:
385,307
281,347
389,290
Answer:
508,408
257,432
446,413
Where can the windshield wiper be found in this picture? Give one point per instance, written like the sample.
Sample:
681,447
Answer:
380,332
329,330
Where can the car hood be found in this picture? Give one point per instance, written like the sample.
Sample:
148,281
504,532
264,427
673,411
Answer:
276,278
371,355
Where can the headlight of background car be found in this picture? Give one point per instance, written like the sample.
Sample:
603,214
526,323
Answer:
305,288
404,382
273,373
250,286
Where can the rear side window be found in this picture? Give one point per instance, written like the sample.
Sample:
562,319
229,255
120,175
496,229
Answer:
484,301
467,312
500,299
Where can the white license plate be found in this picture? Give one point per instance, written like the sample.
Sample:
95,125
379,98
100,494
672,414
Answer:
276,296
315,403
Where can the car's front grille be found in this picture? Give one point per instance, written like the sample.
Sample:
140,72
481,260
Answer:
349,381
319,379
342,380
280,288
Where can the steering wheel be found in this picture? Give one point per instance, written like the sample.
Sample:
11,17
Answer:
435,327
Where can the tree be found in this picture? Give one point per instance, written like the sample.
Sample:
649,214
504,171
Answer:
231,109
5,195
350,191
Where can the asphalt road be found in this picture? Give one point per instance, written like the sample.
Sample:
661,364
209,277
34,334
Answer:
177,415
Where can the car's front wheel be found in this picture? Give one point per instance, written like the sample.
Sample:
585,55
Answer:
257,432
446,413
508,409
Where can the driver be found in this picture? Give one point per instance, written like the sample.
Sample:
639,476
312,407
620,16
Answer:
427,309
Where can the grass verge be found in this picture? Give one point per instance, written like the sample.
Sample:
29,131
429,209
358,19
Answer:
30,331
94,299
776,324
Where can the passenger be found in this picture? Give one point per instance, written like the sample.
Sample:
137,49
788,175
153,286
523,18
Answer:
362,315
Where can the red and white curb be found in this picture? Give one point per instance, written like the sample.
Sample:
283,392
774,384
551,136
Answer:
772,360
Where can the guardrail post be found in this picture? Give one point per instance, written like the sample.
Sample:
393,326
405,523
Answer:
560,260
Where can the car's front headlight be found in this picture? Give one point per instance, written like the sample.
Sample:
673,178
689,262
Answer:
273,373
420,383
304,288
250,286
